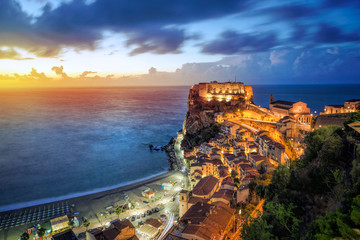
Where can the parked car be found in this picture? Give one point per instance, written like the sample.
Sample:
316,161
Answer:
140,223
143,215
133,218
83,218
138,216
148,212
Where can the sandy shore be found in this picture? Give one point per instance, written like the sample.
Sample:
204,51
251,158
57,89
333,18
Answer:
93,206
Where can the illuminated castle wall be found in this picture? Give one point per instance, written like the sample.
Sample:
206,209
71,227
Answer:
225,91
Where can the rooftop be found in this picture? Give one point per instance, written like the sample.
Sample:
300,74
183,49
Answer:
283,102
205,185
353,100
66,235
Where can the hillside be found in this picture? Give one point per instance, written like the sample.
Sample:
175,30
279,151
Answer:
319,196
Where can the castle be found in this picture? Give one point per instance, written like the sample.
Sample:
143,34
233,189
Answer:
226,91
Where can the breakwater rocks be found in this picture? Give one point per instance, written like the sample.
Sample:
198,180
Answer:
170,150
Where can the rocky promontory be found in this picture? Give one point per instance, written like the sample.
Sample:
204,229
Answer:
207,102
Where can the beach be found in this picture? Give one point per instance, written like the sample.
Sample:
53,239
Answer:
95,206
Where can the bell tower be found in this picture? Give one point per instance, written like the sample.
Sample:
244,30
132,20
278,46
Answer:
183,202
271,98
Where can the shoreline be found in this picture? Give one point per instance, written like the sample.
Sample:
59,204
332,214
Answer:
91,204
45,201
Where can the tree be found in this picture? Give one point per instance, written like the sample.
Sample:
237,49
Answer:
24,236
71,222
355,210
86,223
279,181
256,229
118,211
41,232
283,220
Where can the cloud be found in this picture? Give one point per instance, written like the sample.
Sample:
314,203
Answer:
342,3
288,12
11,53
85,73
59,71
159,41
231,42
152,70
36,75
80,24
331,34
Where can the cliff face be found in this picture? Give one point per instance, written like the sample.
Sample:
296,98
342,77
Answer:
201,111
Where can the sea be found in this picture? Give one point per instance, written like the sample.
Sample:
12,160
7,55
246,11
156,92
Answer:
65,142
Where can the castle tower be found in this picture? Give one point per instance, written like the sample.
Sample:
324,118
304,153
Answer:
183,202
271,98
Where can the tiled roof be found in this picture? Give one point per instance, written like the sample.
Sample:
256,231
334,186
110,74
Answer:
353,100
223,193
283,102
156,223
197,212
194,200
123,224
205,185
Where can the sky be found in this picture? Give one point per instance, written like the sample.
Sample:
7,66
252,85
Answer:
180,42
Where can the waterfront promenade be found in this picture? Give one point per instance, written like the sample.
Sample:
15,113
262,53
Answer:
94,206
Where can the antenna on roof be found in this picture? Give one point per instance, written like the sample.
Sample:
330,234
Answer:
235,78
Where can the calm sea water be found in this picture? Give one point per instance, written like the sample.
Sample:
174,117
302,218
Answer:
58,143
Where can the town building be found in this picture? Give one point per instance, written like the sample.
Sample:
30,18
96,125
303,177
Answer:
148,193
297,110
271,149
118,230
349,106
65,235
208,221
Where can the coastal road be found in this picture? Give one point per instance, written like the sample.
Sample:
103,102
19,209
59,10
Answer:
179,155
254,130
166,200
169,224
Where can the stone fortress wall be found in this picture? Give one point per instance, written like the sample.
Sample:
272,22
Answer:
226,90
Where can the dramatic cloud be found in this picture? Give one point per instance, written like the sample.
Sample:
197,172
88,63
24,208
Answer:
79,25
231,42
157,41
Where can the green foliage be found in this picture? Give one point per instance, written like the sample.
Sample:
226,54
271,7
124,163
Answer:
355,172
317,198
71,222
24,236
41,231
86,223
204,135
354,117
355,210
282,219
316,139
256,229
119,210
330,226
279,181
